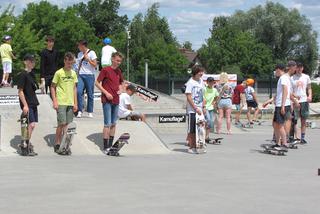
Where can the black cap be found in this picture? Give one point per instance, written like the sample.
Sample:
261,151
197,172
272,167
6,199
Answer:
280,66
29,57
210,79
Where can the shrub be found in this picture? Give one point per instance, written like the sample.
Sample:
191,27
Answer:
315,92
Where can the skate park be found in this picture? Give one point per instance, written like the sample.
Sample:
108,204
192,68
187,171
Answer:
154,173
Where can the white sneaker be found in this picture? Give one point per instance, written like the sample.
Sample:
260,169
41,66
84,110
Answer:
90,115
192,151
79,115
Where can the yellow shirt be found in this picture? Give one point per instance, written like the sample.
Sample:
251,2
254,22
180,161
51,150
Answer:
65,82
5,50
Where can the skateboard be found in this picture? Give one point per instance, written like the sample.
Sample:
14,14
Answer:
116,147
26,149
146,94
66,142
200,133
268,148
215,140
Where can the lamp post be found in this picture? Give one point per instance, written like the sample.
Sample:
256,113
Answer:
146,73
128,61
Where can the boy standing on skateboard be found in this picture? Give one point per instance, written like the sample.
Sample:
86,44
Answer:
109,82
195,105
64,96
27,86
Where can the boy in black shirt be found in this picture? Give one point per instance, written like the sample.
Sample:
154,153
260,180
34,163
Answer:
27,86
48,64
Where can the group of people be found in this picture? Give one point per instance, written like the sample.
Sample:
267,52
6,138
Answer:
215,102
67,85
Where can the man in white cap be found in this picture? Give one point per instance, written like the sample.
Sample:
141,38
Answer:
6,57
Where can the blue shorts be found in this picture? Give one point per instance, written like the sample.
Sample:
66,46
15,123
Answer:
210,117
33,114
238,107
225,103
110,114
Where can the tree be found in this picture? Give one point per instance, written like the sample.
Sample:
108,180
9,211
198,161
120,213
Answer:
103,16
152,39
187,45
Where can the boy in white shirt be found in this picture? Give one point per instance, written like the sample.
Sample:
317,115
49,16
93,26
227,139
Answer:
301,85
107,52
125,107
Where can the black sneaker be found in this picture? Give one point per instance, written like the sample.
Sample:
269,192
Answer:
276,147
303,141
56,148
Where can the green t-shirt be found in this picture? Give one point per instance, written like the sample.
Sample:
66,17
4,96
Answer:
209,95
65,82
5,50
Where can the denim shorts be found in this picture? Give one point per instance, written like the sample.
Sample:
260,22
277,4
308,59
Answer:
110,114
225,103
33,114
210,117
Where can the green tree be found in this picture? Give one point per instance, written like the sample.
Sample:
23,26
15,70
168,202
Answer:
103,16
152,39
187,45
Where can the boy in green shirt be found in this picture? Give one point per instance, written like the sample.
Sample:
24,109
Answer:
210,96
64,96
6,58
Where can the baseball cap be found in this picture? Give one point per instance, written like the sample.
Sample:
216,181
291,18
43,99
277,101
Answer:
29,57
291,63
6,38
210,79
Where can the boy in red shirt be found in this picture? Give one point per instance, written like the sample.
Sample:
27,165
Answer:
109,82
238,100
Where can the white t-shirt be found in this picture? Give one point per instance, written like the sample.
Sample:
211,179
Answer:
86,67
283,80
299,85
107,52
125,100
196,89
249,93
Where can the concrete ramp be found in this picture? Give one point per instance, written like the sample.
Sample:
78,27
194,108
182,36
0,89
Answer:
87,141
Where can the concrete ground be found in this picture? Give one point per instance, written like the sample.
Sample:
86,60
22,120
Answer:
231,178
234,177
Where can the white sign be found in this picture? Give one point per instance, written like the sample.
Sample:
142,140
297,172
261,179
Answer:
9,100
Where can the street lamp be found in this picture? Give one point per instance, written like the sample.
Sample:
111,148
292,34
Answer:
128,61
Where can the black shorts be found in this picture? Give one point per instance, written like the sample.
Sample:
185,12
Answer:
279,118
303,111
192,123
252,103
33,114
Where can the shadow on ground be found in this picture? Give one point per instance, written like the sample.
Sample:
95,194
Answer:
97,139
50,138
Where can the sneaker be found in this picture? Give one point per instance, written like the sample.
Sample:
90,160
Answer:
192,151
303,141
276,147
90,115
32,153
79,115
106,151
56,148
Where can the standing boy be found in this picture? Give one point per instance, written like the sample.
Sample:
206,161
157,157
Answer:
195,105
64,96
238,99
48,64
303,92
109,82
6,57
87,63
211,95
27,86
252,101
107,52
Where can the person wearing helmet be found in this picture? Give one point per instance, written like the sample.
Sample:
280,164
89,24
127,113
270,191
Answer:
107,52
6,57
252,102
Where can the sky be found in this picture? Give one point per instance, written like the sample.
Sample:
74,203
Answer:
190,20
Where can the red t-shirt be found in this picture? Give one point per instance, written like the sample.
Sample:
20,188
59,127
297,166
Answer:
239,89
111,79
